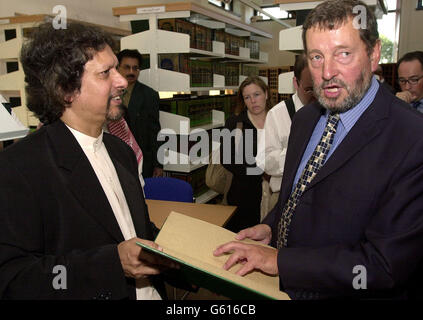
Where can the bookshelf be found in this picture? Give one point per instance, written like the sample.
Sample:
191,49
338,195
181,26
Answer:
154,41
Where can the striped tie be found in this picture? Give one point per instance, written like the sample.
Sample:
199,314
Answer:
313,165
120,129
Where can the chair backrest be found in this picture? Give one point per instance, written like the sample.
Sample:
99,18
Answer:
170,189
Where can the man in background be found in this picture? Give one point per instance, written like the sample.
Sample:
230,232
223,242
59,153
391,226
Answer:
142,114
410,75
271,157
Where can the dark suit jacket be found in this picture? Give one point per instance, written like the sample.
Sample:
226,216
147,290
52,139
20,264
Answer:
143,120
53,211
364,207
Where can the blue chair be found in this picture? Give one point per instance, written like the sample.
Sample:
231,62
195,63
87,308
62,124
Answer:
166,188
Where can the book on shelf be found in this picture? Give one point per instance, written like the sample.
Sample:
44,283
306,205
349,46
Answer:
191,242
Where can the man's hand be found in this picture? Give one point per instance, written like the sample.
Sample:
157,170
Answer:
260,232
157,172
405,95
251,256
137,263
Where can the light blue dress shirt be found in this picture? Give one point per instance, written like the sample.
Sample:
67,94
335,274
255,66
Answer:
345,124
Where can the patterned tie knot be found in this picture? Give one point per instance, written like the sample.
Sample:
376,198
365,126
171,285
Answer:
333,121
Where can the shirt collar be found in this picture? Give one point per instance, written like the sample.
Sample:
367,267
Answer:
87,142
297,102
350,117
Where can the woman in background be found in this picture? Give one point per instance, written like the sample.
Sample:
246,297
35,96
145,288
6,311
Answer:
245,191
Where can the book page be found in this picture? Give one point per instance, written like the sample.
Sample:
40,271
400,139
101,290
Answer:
193,241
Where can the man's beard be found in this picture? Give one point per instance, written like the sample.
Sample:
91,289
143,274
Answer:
354,94
116,113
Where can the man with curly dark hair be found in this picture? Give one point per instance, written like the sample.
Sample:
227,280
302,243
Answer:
70,197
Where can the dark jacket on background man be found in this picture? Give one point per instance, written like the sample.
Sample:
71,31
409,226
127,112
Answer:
143,120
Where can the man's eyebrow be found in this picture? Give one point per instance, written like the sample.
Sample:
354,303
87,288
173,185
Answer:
340,47
314,51
107,66
412,76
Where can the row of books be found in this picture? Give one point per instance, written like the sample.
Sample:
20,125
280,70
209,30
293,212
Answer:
201,37
201,72
199,109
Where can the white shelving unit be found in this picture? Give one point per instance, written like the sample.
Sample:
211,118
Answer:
155,41
13,84
9,128
174,124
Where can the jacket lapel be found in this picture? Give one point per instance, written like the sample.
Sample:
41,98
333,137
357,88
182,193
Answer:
297,145
364,131
81,178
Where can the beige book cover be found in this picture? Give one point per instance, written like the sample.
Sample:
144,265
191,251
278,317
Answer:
191,242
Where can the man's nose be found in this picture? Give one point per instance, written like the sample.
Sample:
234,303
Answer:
120,81
330,69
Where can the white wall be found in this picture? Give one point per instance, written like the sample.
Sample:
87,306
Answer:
271,46
410,38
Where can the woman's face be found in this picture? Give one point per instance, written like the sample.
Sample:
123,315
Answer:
255,99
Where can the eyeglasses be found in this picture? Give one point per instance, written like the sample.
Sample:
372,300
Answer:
412,81
127,67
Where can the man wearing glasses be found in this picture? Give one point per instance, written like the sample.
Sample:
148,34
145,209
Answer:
410,74
143,111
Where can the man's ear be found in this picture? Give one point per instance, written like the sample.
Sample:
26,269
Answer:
375,55
295,82
70,97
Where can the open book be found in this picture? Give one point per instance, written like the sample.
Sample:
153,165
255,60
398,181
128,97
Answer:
191,243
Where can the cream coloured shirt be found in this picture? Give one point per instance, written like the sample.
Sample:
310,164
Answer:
105,171
271,157
139,164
